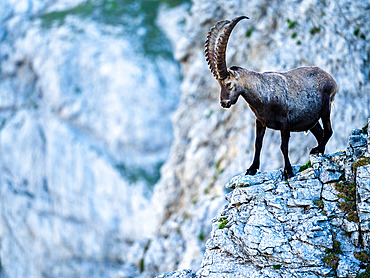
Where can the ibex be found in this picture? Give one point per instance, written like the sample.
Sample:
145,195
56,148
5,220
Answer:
290,101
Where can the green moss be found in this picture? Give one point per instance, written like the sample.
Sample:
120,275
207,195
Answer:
276,266
223,221
299,42
356,32
305,166
294,35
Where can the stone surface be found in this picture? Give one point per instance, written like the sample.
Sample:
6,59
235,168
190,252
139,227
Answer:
212,144
71,123
272,227
287,228
81,142
185,273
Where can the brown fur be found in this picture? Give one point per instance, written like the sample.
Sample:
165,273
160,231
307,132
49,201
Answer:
288,101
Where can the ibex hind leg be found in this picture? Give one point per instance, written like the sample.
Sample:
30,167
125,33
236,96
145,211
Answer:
318,132
328,132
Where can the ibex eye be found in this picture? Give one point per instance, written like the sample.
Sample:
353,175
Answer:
228,84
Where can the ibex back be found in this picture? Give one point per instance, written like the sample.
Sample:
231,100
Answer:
287,101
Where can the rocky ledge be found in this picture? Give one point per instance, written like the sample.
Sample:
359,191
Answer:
316,224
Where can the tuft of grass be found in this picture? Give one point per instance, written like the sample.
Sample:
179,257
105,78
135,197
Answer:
141,265
319,203
365,274
347,192
331,260
249,32
223,221
201,236
315,30
361,162
291,24
364,129
276,266
362,256
336,247
294,35
305,166
357,33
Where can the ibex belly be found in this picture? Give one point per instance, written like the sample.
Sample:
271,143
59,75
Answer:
304,109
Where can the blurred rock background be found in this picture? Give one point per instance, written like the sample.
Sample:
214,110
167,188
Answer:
95,178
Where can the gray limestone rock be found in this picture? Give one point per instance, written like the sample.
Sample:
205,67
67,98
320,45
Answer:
293,228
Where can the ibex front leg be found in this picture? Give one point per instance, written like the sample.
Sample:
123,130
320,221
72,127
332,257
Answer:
285,134
260,132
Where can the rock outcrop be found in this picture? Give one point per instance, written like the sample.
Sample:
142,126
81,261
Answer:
212,144
316,224
70,134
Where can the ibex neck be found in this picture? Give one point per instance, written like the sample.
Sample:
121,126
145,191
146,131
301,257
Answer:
252,93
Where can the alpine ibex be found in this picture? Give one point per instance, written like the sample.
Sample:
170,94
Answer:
288,101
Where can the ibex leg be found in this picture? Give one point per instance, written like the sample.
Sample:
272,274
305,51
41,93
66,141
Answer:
325,117
260,132
318,132
285,134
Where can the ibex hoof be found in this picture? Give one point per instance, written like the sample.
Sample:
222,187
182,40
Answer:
288,174
251,171
316,150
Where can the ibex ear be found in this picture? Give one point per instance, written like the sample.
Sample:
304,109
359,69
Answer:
233,73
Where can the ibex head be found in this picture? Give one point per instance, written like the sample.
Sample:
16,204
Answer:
215,49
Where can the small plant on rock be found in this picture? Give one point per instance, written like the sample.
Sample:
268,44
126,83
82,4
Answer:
347,193
332,258
361,162
305,166
319,203
223,221
362,256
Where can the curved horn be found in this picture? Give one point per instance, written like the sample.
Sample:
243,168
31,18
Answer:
221,48
210,45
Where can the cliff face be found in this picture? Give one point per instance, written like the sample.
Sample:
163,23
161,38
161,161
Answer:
212,144
316,224
80,109
84,127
